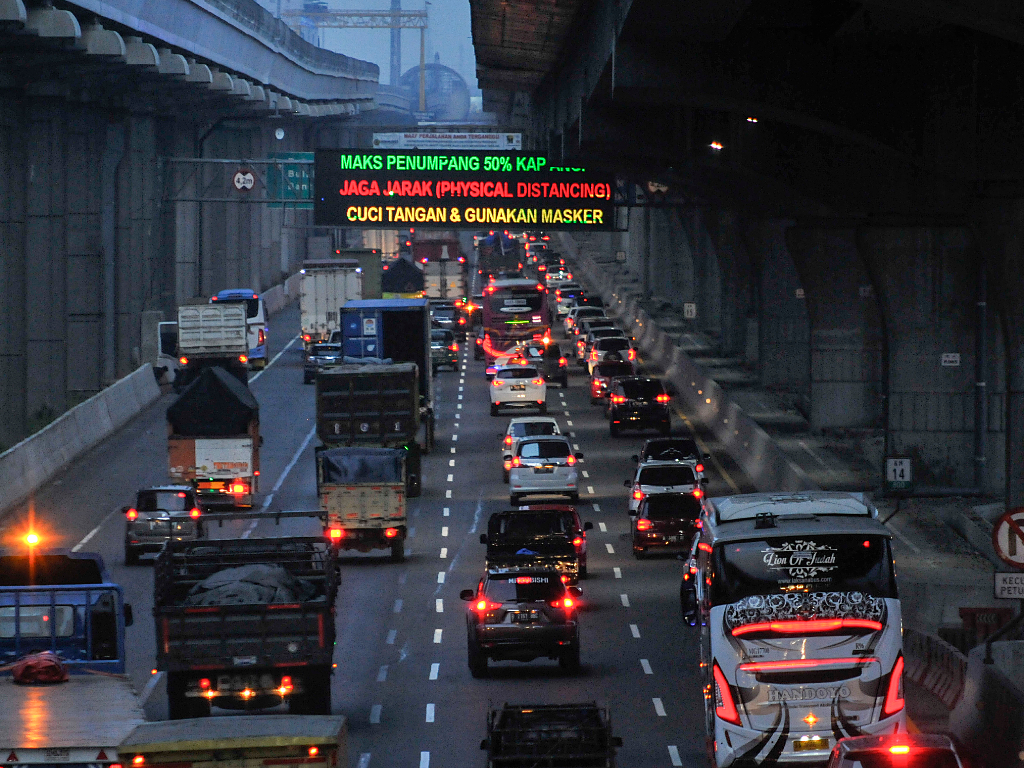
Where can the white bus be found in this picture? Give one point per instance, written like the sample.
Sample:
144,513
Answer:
801,630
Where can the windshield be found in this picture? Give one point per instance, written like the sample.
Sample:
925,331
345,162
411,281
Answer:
548,449
670,450
608,370
528,525
681,475
252,306
323,348
445,313
809,563
611,344
642,390
582,312
524,588
171,501
442,336
671,506
534,428
607,333
518,372
510,304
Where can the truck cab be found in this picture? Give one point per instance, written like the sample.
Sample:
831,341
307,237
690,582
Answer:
256,321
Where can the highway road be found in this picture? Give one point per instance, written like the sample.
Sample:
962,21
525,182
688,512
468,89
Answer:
402,678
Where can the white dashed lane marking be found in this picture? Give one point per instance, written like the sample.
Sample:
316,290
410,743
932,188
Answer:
375,714
625,600
659,708
646,667
590,488
434,668
364,760
586,474
634,630
444,530
424,760
610,548
430,713
437,635
448,493
673,754
618,572
597,507
451,462
446,512
439,605
392,634
398,605
451,478
444,552
602,527
440,577
382,674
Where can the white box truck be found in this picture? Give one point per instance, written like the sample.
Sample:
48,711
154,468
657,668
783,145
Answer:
325,287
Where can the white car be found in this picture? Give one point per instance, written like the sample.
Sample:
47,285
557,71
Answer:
519,428
513,357
577,313
544,466
602,348
564,295
661,477
518,386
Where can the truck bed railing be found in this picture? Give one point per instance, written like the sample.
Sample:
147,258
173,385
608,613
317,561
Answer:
550,735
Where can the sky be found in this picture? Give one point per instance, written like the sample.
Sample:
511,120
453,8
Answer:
448,34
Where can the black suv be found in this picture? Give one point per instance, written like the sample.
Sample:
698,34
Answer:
520,614
541,536
636,402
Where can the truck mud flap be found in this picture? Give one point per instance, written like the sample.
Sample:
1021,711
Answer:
414,471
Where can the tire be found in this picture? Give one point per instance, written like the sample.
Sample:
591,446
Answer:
131,556
455,367
433,370
477,662
307,379
397,551
640,553
583,572
543,409
565,382
570,660
414,488
316,698
504,476
180,706
613,429
574,497
494,409
666,428
514,499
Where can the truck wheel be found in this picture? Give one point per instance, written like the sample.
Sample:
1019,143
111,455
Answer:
131,556
414,487
316,698
397,551
613,429
504,475
494,409
514,499
543,409
570,660
477,662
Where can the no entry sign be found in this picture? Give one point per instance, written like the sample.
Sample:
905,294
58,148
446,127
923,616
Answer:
1008,538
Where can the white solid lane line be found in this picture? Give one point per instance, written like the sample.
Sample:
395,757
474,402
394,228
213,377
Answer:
610,548
430,713
659,707
673,754
95,530
437,635
646,667
382,673
392,634
278,355
634,629
625,600
375,714
618,572
434,669
602,527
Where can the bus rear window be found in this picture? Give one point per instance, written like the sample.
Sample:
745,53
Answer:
801,564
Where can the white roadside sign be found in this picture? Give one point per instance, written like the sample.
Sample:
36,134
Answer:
475,141
1009,586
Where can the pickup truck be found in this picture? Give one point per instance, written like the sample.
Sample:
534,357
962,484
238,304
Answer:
65,603
363,492
246,623
549,735
217,742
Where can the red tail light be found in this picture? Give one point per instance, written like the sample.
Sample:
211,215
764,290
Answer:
697,493
570,460
807,627
479,342
243,358
578,541
306,337
725,708
508,439
335,534
660,398
390,533
194,513
644,525
568,603
638,494
132,514
183,360
562,362
704,547
508,465
618,399
204,684
239,488
486,605
632,356
564,578
516,462
894,695
537,382
699,468
462,321
540,287
261,339
454,348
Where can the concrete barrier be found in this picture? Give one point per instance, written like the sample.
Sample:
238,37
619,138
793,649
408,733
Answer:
990,714
935,665
282,294
763,461
37,458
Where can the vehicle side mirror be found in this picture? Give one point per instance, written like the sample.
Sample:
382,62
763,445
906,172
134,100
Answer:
704,481
626,483
634,513
635,459
579,455
467,595
576,591
588,526
129,615
688,602
483,538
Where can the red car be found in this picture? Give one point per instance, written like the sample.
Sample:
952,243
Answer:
579,529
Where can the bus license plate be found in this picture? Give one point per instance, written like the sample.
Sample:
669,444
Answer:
810,745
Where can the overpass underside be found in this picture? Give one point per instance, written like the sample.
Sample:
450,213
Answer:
106,107
845,180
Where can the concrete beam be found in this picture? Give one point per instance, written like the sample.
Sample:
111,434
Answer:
103,42
53,23
13,11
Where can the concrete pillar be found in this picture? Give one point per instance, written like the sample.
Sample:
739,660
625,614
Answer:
845,327
13,185
734,266
1000,229
783,323
925,278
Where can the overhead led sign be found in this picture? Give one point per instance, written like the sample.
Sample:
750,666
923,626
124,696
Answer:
457,190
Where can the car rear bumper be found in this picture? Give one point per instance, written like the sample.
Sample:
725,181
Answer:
530,642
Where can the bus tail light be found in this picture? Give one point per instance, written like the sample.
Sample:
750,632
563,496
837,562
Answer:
239,488
183,360
307,338
243,358
725,707
335,534
894,701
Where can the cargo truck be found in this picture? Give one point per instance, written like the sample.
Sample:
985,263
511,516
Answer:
363,491
229,742
213,439
373,406
63,604
550,735
246,623
444,271
212,335
324,287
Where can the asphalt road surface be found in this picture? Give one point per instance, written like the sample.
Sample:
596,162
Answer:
402,679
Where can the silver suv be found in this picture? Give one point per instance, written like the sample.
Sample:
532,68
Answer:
544,466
